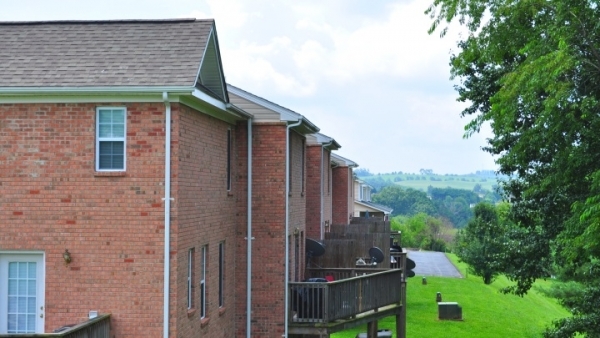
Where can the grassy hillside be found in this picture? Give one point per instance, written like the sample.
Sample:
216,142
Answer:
486,311
421,182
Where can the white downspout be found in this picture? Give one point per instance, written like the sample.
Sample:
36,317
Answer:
287,223
322,186
249,238
167,199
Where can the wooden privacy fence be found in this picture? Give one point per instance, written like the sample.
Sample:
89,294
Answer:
344,243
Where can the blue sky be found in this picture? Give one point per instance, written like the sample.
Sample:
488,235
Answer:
365,72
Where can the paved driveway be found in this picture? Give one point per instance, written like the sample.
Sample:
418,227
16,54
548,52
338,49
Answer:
431,263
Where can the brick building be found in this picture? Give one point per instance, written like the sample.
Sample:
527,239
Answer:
342,189
279,206
136,182
86,109
319,184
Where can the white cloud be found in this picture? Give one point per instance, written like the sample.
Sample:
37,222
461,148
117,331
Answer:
365,72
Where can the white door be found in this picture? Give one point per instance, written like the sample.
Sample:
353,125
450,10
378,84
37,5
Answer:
21,293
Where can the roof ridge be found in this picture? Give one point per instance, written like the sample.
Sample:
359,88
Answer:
180,20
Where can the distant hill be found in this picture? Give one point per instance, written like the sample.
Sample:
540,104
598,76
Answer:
486,179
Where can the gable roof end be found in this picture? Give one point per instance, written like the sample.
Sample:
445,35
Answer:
210,75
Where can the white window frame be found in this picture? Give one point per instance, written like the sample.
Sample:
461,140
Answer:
111,139
202,293
229,158
221,274
190,281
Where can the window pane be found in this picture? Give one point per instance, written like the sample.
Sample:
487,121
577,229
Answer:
12,304
22,305
22,287
118,116
31,323
104,116
22,270
32,270
118,130
12,287
31,288
21,322
12,269
104,130
31,304
12,323
112,155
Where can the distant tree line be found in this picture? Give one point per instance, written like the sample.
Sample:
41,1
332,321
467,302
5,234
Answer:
452,205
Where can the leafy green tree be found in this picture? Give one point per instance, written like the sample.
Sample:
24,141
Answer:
424,232
405,201
481,243
531,69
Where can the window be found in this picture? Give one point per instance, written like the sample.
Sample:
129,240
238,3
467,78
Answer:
221,274
290,159
202,304
190,279
228,159
302,163
110,139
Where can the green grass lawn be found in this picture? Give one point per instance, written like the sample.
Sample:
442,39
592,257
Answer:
486,311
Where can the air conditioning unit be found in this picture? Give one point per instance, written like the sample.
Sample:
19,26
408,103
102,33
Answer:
380,333
449,311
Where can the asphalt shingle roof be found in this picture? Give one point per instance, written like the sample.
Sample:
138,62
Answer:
102,53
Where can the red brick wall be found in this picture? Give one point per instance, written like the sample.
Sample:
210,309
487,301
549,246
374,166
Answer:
241,241
205,214
342,195
297,209
52,199
268,227
327,188
268,209
314,188
113,224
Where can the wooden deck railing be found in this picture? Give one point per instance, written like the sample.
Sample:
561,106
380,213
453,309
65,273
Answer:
98,327
345,296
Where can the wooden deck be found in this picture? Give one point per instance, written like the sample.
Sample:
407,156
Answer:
351,297
98,327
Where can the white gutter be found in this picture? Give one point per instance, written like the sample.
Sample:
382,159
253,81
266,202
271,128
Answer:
167,200
249,238
107,89
287,223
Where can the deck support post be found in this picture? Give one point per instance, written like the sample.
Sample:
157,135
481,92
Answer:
372,329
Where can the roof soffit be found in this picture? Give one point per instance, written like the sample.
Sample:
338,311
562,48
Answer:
283,114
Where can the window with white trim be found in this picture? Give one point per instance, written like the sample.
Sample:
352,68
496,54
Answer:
221,274
110,138
229,159
190,279
202,304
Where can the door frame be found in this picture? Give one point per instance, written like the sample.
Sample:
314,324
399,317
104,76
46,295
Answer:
24,256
